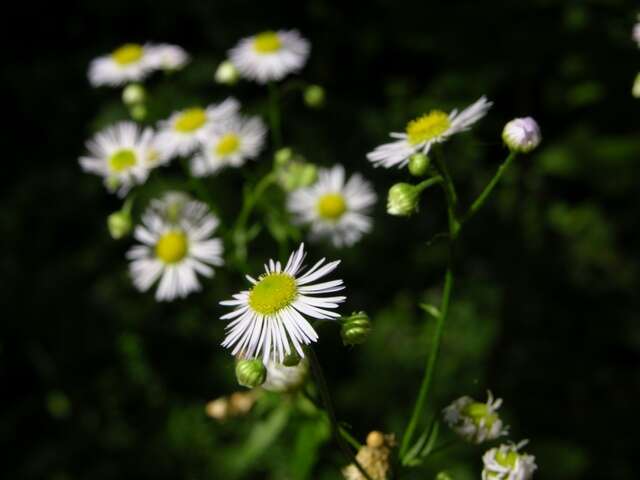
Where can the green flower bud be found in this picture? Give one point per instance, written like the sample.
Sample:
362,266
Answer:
443,476
226,73
134,94
283,156
119,224
297,174
419,164
138,112
250,373
403,199
635,91
355,328
314,96
291,360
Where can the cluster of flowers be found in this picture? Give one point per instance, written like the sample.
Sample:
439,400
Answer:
270,322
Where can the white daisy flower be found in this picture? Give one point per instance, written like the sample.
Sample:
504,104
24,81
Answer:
475,421
270,56
185,130
425,131
507,463
128,63
636,32
270,316
281,378
168,57
123,154
335,209
175,251
230,144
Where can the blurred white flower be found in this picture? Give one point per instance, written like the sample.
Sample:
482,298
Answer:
334,208
270,56
425,131
270,317
128,63
230,144
123,154
165,56
281,378
175,251
507,463
475,421
187,129
636,32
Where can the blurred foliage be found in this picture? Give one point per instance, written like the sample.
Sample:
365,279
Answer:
101,382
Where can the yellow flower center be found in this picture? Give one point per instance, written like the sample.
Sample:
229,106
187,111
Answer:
331,206
479,412
126,54
428,127
267,42
172,246
272,293
507,459
228,144
122,160
190,120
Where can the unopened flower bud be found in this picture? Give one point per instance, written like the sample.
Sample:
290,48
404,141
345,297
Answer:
112,183
314,96
226,73
403,199
134,94
119,224
138,112
218,408
355,328
474,421
506,462
419,164
282,156
291,360
375,439
250,373
296,174
522,135
635,91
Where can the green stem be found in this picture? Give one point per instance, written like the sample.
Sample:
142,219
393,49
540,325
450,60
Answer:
250,201
482,198
451,196
321,383
429,182
431,362
274,115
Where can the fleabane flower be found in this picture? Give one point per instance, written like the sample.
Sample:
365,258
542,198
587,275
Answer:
270,56
187,129
165,56
128,63
474,421
283,378
174,251
230,144
507,463
271,318
423,132
123,154
522,135
334,207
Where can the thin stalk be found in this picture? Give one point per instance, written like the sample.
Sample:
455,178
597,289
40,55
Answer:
274,115
482,198
321,383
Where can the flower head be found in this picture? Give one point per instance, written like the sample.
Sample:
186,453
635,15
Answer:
270,317
187,129
167,57
522,135
336,209
175,250
230,144
123,154
636,32
226,73
474,421
402,199
270,56
283,378
127,63
507,463
425,131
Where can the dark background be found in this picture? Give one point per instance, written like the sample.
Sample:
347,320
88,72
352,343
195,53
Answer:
100,382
